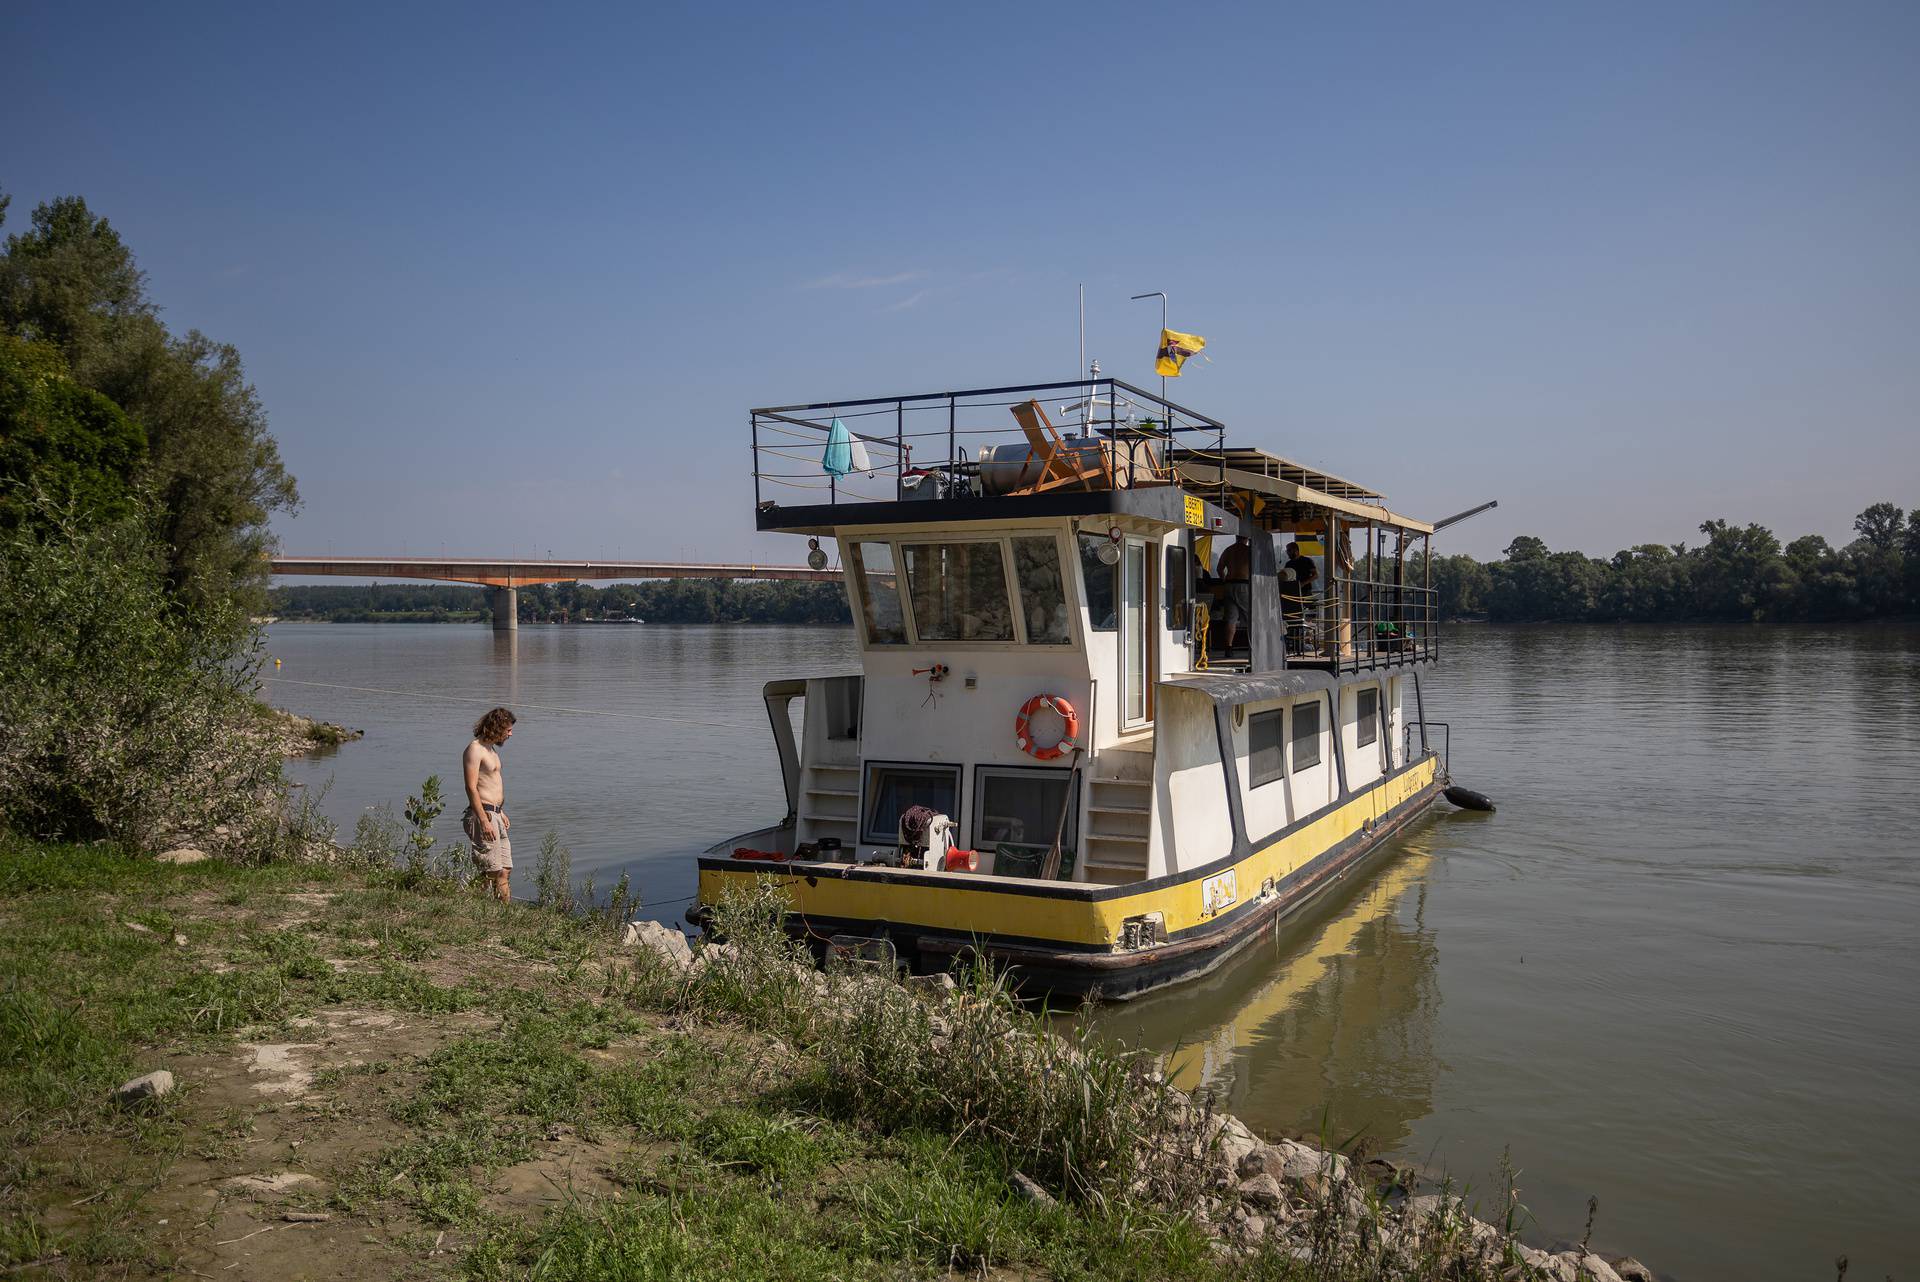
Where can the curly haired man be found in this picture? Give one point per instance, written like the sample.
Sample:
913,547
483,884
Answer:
485,818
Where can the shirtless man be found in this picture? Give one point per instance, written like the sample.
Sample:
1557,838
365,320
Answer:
485,818
1236,567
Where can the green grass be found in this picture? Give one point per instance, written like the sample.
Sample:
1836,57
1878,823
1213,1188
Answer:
87,1001
731,1126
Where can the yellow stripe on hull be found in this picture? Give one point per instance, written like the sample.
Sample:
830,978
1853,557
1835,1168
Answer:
946,903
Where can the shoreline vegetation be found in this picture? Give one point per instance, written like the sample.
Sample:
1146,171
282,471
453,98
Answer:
353,1057
1738,575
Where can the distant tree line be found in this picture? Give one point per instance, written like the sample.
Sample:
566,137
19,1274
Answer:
379,603
655,601
1739,575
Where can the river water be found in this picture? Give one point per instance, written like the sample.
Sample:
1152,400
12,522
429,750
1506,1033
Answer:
1678,971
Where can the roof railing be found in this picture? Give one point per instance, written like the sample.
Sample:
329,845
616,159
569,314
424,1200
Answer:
929,445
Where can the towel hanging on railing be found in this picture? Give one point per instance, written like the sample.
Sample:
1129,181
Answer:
846,453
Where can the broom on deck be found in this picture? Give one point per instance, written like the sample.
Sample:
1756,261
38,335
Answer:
1050,866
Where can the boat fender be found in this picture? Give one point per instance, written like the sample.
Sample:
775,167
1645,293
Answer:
1468,799
1024,737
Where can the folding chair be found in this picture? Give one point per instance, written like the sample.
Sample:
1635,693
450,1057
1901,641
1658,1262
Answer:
1058,465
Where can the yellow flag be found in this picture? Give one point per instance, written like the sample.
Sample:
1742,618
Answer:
1175,347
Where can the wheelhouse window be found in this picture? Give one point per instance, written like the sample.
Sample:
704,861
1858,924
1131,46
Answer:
1043,590
1266,744
879,591
1017,812
893,790
1367,715
1306,735
1103,595
959,591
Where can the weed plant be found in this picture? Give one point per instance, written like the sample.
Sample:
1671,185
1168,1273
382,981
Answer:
553,876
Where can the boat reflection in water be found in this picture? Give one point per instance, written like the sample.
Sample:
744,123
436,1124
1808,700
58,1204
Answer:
1326,1025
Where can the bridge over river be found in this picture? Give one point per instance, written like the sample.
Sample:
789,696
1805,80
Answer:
503,577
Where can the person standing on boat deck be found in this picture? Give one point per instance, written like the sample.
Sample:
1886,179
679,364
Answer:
1236,568
1296,589
485,818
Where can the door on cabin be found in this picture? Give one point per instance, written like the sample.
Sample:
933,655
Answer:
1137,658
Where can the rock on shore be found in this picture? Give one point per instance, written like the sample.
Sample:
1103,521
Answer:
300,735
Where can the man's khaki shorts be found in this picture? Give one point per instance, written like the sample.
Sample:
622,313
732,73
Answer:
490,854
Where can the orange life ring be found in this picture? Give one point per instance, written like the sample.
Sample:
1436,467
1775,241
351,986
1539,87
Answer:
1057,703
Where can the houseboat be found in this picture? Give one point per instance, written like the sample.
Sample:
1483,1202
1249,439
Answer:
1130,692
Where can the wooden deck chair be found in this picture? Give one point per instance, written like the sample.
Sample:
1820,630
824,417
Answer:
1058,465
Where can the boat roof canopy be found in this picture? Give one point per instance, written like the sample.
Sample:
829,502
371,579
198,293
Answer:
1261,463
1211,478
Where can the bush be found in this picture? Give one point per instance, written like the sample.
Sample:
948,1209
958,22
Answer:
124,715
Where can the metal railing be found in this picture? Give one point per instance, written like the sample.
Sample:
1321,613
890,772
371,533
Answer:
931,445
1446,743
1363,624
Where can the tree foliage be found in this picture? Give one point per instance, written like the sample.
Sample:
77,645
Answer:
60,440
214,470
1740,574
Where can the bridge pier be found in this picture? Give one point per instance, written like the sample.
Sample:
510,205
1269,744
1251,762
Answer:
506,609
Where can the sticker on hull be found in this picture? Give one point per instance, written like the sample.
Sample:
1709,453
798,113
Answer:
1219,893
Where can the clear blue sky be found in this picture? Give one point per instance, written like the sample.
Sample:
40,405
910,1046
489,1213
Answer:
509,277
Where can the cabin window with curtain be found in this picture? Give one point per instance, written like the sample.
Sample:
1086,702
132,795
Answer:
1266,745
879,593
1103,595
1306,735
1367,715
894,790
1043,590
959,591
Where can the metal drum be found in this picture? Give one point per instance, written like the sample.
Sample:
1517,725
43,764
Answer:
1005,468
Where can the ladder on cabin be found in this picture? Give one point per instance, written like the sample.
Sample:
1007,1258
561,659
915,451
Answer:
830,803
1119,817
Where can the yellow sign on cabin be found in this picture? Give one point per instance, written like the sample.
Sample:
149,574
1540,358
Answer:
1196,513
